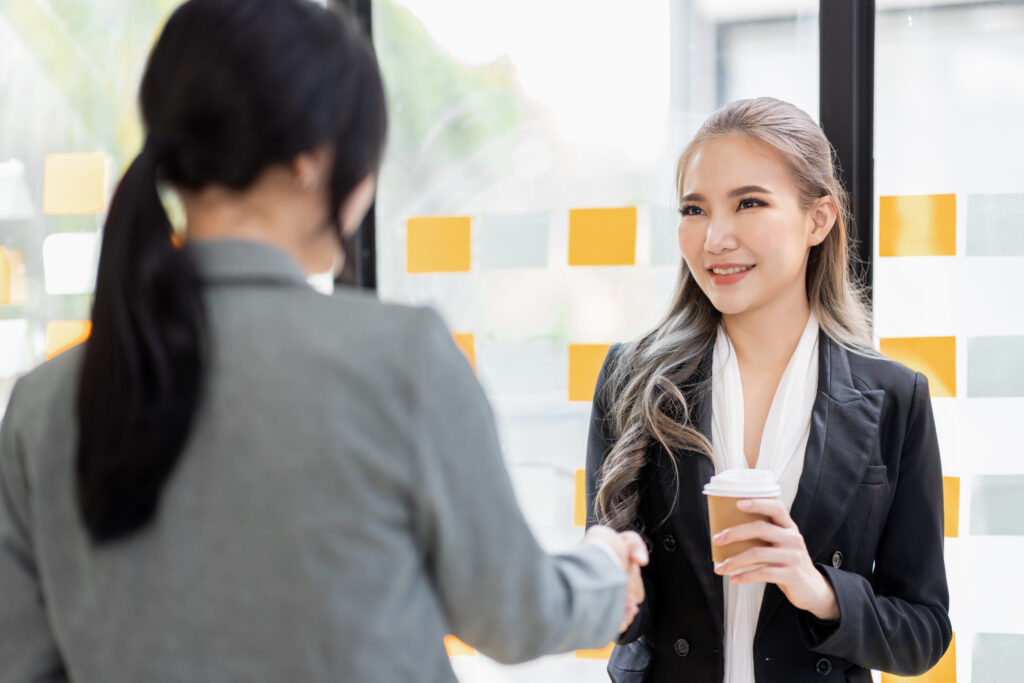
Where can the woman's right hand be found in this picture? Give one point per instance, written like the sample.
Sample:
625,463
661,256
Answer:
631,550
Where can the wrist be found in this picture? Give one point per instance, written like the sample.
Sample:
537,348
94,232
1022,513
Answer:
612,553
826,606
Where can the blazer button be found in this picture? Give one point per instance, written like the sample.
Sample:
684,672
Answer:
823,667
669,543
837,559
682,647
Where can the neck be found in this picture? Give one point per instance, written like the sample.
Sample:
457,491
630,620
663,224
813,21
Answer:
268,213
767,338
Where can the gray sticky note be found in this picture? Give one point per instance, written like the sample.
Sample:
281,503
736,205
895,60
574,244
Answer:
995,366
995,225
519,241
516,368
997,657
997,505
664,236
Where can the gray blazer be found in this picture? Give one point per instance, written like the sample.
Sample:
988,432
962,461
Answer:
341,505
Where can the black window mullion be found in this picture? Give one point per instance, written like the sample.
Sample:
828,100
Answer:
361,259
847,103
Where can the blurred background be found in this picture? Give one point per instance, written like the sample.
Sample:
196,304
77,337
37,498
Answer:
527,193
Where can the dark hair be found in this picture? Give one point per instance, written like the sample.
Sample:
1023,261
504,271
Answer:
231,88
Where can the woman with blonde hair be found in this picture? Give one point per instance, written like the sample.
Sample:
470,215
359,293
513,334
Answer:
765,361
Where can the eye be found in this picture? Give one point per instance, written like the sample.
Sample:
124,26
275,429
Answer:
691,210
750,203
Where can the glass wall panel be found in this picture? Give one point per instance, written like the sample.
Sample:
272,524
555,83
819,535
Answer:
69,74
527,193
949,175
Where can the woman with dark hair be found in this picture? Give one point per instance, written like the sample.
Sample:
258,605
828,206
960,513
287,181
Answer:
235,477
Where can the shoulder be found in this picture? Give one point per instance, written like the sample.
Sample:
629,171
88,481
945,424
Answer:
903,392
615,355
57,378
42,403
398,331
876,372
402,345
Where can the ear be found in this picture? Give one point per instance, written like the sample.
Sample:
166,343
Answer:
310,168
356,204
822,218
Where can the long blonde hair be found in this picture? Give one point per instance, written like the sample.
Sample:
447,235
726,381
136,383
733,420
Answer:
647,404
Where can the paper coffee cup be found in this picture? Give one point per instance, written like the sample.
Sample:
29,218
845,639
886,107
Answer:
723,492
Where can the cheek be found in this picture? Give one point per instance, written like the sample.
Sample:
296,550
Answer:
691,241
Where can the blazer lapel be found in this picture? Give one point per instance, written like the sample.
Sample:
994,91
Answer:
684,495
844,428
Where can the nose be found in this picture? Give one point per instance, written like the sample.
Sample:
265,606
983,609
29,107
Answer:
721,236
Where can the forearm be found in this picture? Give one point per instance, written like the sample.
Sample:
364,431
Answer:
879,632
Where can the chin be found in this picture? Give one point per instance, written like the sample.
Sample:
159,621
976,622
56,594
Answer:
730,305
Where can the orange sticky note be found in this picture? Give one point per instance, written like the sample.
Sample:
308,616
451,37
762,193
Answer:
603,653
75,183
917,225
437,244
61,335
579,513
467,346
943,672
602,237
13,285
951,503
933,356
457,648
585,362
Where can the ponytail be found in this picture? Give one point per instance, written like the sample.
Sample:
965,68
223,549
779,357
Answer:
231,88
140,377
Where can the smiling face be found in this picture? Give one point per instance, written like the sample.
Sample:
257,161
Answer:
743,232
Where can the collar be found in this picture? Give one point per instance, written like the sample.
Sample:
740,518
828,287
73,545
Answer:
235,260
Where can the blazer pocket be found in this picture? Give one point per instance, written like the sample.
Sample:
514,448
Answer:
876,474
631,663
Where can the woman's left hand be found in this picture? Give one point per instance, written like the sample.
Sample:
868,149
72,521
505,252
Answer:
784,562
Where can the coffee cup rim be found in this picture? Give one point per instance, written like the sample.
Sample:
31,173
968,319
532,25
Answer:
743,483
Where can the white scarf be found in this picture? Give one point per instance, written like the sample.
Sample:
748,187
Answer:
782,452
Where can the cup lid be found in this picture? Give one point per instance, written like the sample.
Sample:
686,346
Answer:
743,483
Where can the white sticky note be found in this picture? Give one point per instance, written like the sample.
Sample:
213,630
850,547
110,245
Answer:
15,198
69,262
16,355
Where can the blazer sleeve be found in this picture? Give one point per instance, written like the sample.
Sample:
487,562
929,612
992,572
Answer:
899,623
28,651
599,443
500,591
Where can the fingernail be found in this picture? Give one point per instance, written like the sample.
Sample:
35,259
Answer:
744,504
719,566
718,537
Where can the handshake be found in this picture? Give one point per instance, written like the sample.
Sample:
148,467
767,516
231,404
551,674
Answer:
631,550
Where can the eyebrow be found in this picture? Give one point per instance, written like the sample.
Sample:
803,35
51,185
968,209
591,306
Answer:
738,192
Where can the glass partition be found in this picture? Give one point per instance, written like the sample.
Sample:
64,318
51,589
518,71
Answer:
527,193
949,175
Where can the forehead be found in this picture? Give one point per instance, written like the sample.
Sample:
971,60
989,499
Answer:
722,164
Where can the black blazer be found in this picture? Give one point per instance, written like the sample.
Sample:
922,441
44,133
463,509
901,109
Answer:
869,505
